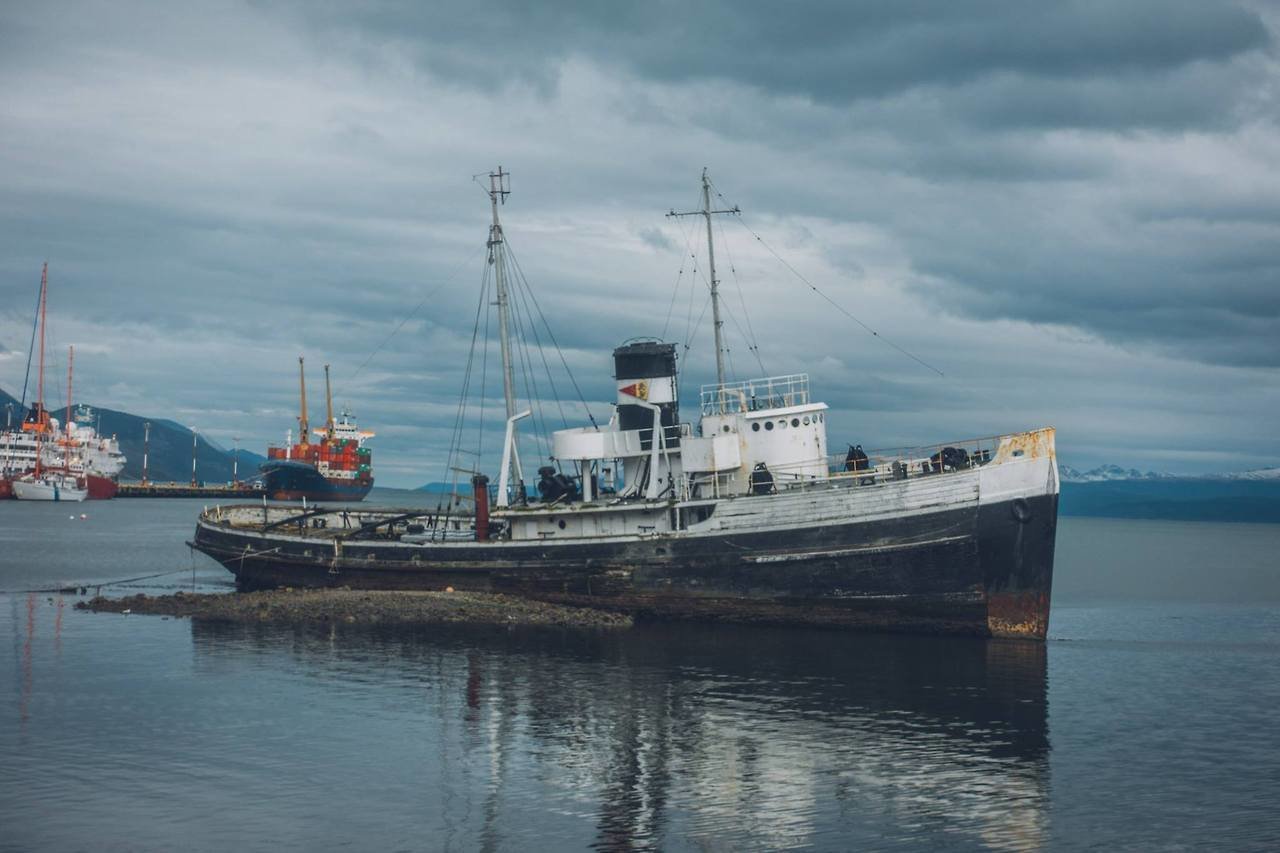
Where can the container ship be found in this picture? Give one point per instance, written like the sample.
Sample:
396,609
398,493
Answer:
331,464
746,515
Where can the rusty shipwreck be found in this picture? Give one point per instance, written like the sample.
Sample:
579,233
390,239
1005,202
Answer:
747,516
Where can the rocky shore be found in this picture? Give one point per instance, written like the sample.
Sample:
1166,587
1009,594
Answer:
360,607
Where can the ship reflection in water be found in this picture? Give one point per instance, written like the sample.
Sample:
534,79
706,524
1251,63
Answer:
684,736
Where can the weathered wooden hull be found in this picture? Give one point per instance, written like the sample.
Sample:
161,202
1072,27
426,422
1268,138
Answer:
965,568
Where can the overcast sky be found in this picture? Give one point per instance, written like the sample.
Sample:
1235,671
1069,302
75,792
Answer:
1072,210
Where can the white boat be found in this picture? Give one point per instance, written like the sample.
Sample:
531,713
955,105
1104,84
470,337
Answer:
49,487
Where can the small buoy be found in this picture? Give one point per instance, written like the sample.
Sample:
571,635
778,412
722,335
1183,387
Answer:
72,517
84,515
448,589
127,611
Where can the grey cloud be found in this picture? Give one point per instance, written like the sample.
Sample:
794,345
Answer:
1069,208
831,51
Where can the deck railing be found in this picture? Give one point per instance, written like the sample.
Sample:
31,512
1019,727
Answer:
900,463
770,392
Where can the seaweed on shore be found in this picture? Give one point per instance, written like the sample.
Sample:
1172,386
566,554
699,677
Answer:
365,607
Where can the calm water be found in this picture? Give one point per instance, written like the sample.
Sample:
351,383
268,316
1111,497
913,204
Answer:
1149,721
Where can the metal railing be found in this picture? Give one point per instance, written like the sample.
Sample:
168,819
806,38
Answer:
900,463
770,392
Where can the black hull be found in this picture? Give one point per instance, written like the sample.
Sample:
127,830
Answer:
293,481
984,570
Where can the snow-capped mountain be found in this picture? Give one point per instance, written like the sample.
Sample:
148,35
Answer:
1272,474
1107,472
1110,473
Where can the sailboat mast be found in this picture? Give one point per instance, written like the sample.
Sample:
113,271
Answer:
44,293
303,426
499,182
71,361
66,442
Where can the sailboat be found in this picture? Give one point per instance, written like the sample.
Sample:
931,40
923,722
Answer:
46,483
746,516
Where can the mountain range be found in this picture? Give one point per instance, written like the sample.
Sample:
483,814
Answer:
169,456
1114,473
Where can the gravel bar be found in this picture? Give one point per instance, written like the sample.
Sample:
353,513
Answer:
362,607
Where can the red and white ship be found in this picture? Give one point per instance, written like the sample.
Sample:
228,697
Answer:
78,448
43,460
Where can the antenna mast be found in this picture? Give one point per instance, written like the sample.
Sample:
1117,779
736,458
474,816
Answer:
303,426
706,213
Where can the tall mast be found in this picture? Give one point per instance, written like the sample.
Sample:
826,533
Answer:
303,426
706,213
44,294
499,189
71,361
328,404
66,441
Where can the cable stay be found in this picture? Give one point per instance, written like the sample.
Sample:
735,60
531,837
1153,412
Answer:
831,301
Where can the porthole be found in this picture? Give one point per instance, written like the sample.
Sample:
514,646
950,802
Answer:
560,524
795,422
806,420
782,424
755,427
725,427
768,424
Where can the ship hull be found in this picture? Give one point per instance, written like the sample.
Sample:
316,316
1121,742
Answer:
975,569
101,488
40,490
295,481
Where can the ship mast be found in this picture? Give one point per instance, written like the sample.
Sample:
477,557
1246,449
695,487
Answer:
499,183
328,405
71,361
303,426
39,424
706,213
44,294
499,189
66,442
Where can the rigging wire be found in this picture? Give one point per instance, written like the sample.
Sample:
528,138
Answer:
551,335
455,440
753,345
522,291
675,291
448,279
531,385
31,348
831,301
